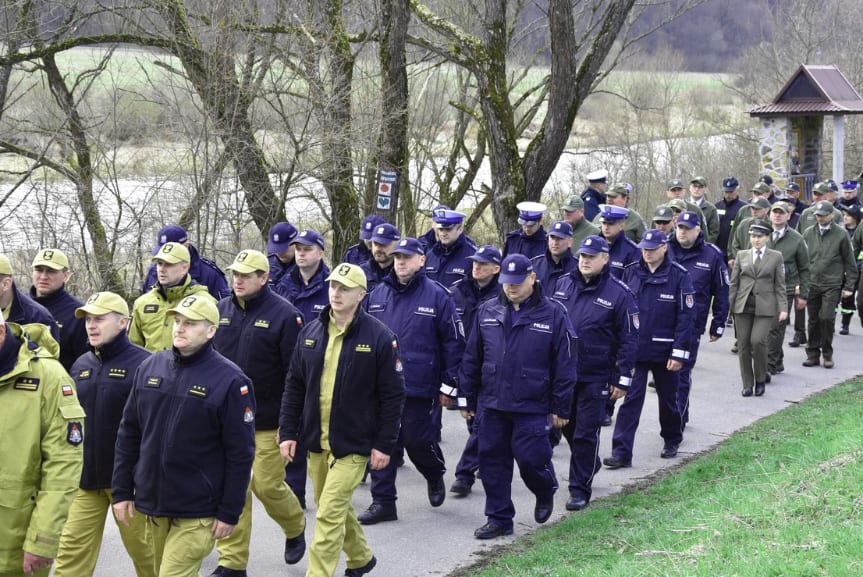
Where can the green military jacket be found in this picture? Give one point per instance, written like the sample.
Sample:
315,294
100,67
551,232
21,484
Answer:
151,326
710,223
796,257
807,218
831,258
41,437
580,231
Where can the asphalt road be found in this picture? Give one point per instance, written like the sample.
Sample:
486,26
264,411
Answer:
426,541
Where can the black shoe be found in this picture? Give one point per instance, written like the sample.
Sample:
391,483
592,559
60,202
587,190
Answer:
295,548
461,488
759,389
795,342
378,513
669,451
606,420
542,510
767,378
811,362
437,492
225,572
613,462
359,571
576,503
491,530
746,392
844,330
651,384
776,370
734,349
828,362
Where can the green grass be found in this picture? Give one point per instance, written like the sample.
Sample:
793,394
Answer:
781,498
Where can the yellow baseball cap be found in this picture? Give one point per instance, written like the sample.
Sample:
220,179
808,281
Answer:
197,308
103,303
172,253
52,258
5,265
249,261
349,275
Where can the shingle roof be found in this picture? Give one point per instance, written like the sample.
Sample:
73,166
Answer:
814,89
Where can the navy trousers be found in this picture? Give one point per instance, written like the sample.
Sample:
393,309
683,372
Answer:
419,438
506,436
582,434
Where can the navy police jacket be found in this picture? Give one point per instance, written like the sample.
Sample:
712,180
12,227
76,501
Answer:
468,297
104,380
449,264
357,254
278,269
604,316
73,334
592,199
622,253
709,276
530,246
187,438
521,362
310,299
547,272
368,394
431,335
666,310
25,310
260,338
201,269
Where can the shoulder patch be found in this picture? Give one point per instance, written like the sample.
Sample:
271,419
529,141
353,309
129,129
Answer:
67,390
151,308
74,433
248,415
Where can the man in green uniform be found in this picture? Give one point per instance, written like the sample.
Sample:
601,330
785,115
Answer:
151,326
573,213
42,431
833,275
698,191
633,224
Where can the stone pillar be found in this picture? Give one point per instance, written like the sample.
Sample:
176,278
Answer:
774,149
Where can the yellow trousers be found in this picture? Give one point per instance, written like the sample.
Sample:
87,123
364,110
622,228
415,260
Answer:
180,545
280,503
336,526
82,537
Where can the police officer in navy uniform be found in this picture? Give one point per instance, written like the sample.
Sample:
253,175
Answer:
17,307
469,294
666,305
362,251
280,250
519,373
604,317
622,251
849,198
50,275
530,239
103,378
258,331
557,260
306,286
201,269
594,195
447,258
706,266
422,313
792,193
727,209
384,240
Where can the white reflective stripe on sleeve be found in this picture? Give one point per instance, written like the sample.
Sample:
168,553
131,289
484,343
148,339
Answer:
448,390
680,353
720,330
625,381
462,402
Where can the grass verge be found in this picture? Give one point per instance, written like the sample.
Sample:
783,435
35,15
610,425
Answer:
780,498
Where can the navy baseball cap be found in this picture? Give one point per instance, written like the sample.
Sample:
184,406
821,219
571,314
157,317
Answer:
486,253
561,229
593,244
409,245
309,238
280,237
832,184
368,226
385,234
653,239
688,219
730,183
171,233
675,183
445,218
766,179
514,269
793,187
